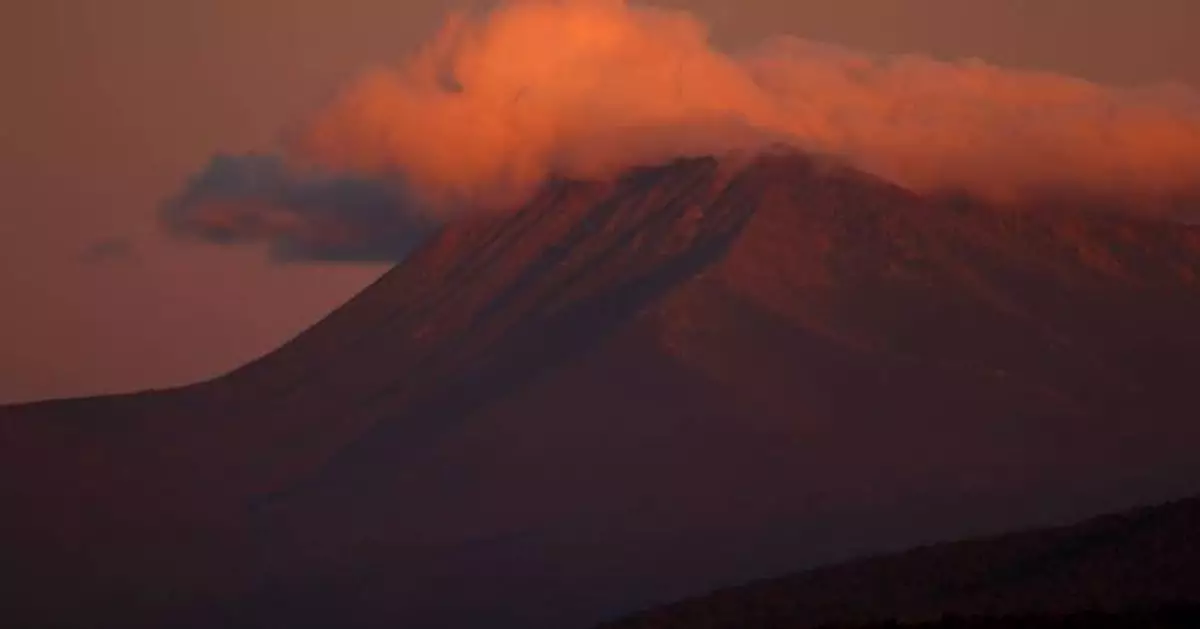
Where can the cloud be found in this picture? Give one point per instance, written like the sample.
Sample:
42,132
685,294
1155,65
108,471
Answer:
303,214
109,250
498,101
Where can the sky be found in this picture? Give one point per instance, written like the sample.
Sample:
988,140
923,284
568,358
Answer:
111,105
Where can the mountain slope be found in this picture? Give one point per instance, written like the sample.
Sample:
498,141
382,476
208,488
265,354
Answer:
1141,559
623,393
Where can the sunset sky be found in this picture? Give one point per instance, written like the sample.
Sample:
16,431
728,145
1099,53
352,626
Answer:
110,105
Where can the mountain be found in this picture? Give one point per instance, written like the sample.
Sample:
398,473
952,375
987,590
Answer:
1106,571
623,393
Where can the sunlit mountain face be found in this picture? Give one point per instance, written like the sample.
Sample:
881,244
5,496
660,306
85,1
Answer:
625,391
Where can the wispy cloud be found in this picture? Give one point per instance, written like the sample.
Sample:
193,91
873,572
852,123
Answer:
109,250
302,214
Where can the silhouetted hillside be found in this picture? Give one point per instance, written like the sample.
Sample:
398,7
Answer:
623,393
1120,569
1181,616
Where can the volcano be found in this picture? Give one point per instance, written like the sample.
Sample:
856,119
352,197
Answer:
623,393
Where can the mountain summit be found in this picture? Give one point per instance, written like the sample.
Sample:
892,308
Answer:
623,393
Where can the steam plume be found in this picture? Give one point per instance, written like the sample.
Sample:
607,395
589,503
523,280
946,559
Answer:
496,102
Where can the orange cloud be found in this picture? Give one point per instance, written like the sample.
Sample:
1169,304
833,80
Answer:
497,101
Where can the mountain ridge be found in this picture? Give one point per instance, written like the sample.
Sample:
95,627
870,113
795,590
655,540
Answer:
1132,560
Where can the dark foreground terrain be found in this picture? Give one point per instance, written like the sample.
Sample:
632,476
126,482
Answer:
622,394
1180,616
1140,566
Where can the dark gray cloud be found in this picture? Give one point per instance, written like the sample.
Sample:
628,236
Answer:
307,215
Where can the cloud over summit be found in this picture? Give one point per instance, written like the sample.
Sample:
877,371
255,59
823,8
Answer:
497,102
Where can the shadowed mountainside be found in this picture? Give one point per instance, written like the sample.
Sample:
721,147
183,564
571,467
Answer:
1115,570
621,394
